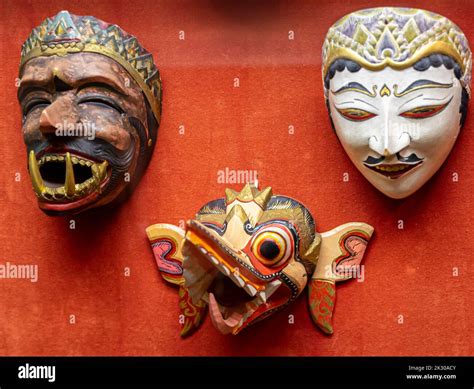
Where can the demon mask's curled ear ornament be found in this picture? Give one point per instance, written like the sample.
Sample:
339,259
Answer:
251,254
397,85
91,101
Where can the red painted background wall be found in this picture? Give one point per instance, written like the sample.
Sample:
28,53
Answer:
408,272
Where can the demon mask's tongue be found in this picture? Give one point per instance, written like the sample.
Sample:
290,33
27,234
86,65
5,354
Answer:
224,293
225,326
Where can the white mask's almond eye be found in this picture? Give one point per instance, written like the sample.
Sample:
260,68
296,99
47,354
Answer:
272,246
426,111
355,114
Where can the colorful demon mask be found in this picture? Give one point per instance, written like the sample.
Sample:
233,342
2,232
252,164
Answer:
250,255
397,85
91,102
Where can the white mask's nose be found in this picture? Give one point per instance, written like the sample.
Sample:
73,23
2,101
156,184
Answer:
390,138
389,145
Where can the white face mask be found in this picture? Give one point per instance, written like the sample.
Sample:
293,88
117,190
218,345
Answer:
397,126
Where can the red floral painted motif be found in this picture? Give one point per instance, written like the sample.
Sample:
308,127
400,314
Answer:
193,314
322,297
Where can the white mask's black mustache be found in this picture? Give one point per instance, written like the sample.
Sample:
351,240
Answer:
411,159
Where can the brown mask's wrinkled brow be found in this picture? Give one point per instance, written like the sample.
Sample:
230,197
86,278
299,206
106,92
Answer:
74,72
81,74
50,84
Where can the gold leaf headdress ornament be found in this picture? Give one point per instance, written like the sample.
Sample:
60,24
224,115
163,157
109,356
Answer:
396,37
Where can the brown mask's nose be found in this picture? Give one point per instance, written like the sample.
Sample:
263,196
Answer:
58,114
46,123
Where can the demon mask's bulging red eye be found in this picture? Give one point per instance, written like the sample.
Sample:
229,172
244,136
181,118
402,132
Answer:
272,247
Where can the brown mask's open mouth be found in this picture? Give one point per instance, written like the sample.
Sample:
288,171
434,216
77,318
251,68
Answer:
219,275
63,181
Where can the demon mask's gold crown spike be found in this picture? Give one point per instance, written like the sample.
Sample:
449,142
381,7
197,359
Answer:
250,193
67,33
395,37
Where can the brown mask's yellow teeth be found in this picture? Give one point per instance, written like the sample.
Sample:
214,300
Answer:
60,158
65,177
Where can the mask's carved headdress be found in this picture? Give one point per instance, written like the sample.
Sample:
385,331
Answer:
67,33
396,37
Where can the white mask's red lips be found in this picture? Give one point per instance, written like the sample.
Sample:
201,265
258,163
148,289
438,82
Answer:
64,180
393,171
236,296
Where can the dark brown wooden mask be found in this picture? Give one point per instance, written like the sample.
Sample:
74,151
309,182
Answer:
90,117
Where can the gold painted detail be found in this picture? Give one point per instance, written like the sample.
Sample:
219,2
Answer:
424,86
396,37
70,190
385,91
249,193
358,90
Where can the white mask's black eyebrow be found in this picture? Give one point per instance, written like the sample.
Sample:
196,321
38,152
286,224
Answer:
355,87
420,84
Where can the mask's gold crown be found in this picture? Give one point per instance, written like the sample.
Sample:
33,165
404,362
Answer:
395,37
250,193
66,33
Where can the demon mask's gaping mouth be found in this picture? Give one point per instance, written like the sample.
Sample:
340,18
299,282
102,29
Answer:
221,276
65,180
248,256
